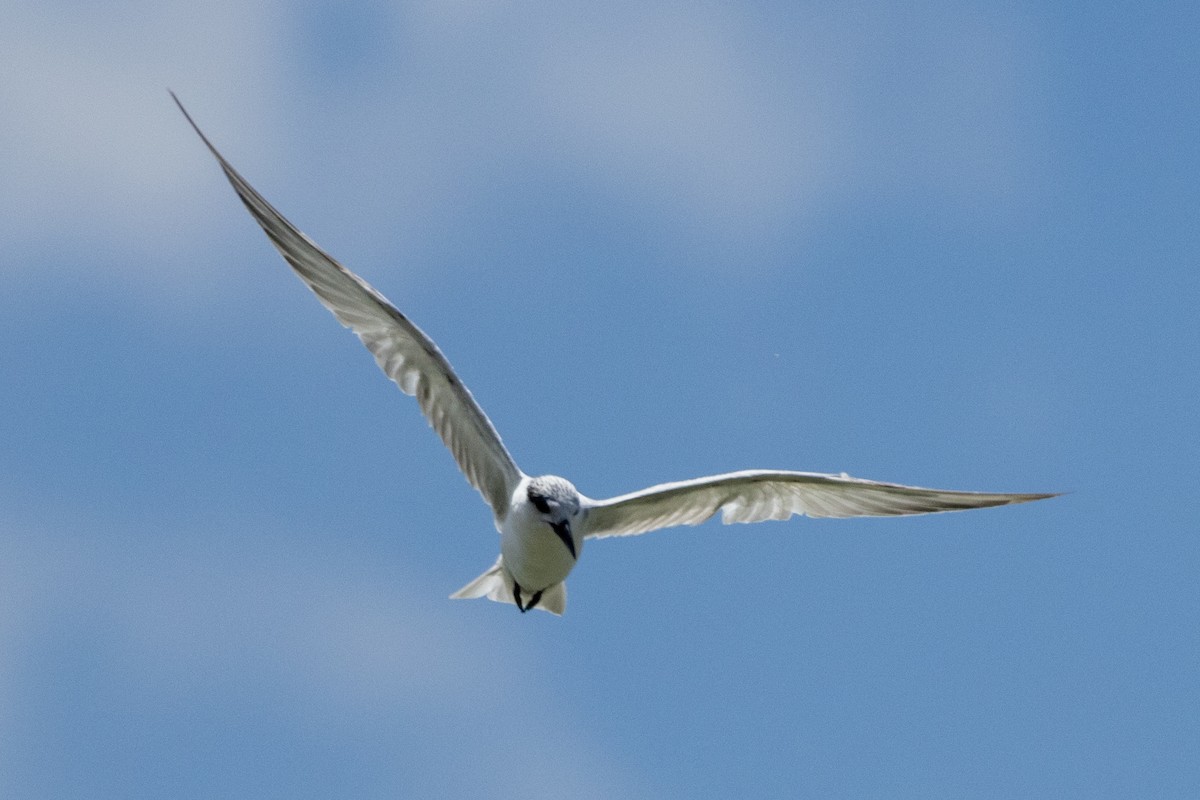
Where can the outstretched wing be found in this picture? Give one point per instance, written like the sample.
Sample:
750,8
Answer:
756,495
403,351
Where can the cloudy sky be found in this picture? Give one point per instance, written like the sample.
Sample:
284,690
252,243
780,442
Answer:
949,244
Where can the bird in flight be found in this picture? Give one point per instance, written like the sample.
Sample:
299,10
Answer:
544,521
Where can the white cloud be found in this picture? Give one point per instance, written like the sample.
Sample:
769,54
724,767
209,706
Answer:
93,157
683,109
197,622
711,124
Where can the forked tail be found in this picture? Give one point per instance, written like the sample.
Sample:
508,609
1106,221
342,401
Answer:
496,584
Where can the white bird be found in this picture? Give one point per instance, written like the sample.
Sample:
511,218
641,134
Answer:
544,521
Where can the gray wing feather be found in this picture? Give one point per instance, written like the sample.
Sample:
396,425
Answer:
757,495
402,350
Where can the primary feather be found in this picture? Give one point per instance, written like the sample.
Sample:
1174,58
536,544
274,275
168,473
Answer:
402,350
756,495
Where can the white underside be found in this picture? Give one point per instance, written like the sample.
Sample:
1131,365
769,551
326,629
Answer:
533,554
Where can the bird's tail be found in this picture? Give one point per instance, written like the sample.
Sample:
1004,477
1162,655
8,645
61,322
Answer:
496,584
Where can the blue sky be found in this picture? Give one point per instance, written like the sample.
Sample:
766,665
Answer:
947,244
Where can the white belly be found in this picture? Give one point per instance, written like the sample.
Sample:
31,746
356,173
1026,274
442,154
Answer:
533,553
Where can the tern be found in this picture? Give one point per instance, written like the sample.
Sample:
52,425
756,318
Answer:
544,521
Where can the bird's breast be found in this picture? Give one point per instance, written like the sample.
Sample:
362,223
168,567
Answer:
535,553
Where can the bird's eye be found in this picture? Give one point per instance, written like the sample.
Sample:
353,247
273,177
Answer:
539,503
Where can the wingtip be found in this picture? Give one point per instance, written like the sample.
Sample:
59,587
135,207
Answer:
179,104
1029,498
196,128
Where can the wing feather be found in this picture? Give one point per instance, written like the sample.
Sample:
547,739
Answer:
757,495
402,350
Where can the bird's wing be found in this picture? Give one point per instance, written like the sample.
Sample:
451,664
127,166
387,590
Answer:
403,351
757,495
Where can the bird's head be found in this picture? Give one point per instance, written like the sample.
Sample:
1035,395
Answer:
554,497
